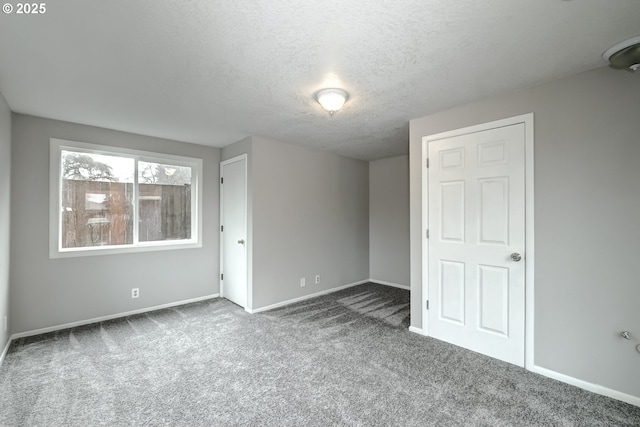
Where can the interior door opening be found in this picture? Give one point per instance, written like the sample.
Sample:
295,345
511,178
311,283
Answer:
475,259
233,230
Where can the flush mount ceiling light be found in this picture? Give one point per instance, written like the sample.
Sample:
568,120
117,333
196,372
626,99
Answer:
331,99
624,55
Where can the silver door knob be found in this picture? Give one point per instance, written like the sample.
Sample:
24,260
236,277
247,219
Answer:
516,256
241,241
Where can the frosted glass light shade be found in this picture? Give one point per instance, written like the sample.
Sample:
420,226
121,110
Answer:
624,55
331,99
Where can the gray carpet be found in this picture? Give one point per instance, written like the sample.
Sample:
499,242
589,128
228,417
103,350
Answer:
342,359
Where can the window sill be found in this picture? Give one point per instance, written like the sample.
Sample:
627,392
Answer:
123,249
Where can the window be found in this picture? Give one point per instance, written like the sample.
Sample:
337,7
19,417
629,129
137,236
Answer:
113,200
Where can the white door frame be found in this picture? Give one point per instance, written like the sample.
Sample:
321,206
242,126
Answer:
527,120
247,243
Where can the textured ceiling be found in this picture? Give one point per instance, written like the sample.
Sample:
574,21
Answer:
213,72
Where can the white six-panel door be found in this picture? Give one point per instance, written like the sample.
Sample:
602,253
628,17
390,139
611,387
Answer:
233,232
476,244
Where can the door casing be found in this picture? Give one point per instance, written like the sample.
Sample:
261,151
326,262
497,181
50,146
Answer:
527,120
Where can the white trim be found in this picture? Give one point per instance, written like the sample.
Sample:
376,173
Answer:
6,349
110,317
416,330
424,225
306,297
527,120
585,385
529,272
394,285
238,158
56,146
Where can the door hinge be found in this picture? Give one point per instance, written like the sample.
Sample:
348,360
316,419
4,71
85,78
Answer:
221,276
221,180
427,163
221,228
427,304
427,233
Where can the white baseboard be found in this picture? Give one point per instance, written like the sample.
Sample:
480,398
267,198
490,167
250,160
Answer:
585,385
395,285
6,349
109,317
416,330
303,298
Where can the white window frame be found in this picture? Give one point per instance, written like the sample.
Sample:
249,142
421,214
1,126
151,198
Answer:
56,146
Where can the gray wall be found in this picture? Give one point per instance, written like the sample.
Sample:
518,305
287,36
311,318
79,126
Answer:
310,216
587,238
47,292
5,198
241,147
389,220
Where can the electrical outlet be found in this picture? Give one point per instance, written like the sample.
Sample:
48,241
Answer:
317,279
135,292
303,282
